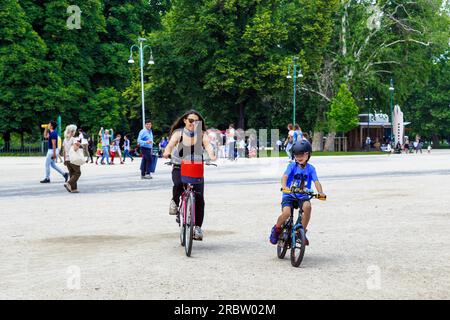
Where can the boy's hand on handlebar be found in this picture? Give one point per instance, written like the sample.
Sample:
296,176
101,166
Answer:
285,189
321,196
166,155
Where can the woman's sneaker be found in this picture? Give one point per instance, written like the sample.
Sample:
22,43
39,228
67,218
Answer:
198,233
274,235
173,209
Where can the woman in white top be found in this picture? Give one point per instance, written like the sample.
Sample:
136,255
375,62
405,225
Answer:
74,170
289,140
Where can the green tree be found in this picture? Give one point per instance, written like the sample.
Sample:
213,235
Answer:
343,114
23,70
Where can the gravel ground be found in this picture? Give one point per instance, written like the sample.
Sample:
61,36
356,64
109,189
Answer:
383,233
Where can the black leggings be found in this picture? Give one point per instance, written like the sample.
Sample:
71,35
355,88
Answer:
177,190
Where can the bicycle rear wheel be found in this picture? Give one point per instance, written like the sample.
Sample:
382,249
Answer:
298,247
189,226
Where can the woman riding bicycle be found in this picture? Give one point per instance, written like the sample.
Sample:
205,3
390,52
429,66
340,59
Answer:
188,140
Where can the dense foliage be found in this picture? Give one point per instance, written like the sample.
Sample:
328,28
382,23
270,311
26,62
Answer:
228,59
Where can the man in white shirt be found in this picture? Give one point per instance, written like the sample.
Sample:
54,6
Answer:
230,141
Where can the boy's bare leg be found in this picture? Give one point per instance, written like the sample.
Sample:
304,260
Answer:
285,214
306,213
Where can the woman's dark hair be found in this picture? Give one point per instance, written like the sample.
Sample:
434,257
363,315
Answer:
179,123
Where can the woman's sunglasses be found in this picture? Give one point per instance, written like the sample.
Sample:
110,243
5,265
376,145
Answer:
192,120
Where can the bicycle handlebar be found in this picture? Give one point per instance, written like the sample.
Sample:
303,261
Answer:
169,163
297,190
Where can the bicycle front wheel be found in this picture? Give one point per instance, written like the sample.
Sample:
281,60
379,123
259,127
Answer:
189,226
298,247
283,243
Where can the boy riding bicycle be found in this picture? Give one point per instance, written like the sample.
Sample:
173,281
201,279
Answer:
298,174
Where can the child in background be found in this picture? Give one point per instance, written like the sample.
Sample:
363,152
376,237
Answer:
98,152
113,150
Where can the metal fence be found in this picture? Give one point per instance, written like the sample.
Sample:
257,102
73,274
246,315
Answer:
39,148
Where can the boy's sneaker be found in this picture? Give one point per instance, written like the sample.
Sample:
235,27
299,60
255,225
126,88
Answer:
45,181
274,234
66,176
173,209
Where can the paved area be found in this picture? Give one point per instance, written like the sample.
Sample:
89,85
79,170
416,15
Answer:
382,233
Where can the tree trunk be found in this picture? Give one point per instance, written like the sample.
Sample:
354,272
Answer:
436,142
317,141
21,139
329,143
7,140
241,120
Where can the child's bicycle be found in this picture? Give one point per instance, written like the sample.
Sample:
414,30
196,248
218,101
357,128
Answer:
293,236
186,210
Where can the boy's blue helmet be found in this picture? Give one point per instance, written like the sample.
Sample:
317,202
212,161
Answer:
301,147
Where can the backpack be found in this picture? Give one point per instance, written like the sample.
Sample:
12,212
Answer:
298,136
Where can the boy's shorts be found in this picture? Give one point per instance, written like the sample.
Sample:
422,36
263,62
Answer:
289,202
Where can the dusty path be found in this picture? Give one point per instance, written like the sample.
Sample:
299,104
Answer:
382,233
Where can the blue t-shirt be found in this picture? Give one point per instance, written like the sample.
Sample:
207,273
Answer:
300,177
53,136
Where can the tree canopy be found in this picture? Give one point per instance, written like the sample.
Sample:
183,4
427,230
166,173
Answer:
228,59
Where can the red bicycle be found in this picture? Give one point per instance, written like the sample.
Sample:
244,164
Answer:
186,210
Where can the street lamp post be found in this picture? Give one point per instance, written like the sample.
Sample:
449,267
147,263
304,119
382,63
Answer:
294,76
141,48
368,99
391,90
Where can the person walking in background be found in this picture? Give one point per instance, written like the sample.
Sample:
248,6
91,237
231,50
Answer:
289,140
104,136
59,151
162,146
126,149
230,142
406,145
252,146
90,149
368,143
306,137
118,151
145,140
298,134
84,142
52,136
74,170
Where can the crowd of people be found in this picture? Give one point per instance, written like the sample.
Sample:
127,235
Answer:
188,132
230,144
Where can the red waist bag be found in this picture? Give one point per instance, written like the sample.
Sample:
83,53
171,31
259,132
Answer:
192,171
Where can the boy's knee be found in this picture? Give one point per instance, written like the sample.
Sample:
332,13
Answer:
307,206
